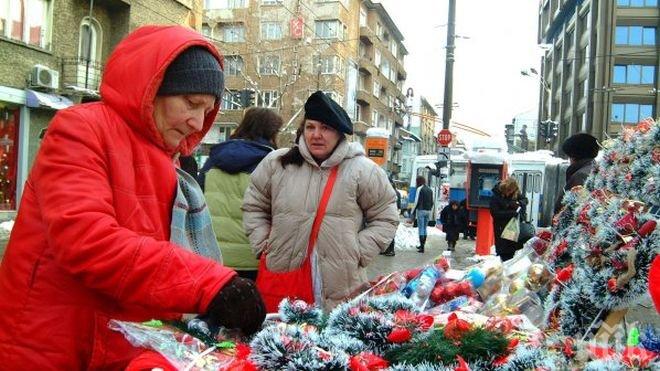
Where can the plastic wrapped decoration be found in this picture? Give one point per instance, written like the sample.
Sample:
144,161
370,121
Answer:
182,350
419,289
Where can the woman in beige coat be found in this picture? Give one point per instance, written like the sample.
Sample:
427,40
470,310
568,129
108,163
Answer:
284,193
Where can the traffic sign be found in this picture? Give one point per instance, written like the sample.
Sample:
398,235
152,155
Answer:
444,150
444,137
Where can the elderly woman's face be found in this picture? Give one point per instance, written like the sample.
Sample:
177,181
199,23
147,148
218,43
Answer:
178,116
320,138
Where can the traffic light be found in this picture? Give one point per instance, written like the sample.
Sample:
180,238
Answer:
247,98
553,130
508,134
543,130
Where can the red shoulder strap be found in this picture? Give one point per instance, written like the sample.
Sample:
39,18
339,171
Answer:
320,213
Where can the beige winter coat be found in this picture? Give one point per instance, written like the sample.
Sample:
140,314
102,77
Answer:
360,221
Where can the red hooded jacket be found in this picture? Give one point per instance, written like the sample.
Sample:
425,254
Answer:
91,238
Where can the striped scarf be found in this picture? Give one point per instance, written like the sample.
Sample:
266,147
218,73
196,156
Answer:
191,221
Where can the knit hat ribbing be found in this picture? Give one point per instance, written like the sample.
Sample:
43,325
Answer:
194,71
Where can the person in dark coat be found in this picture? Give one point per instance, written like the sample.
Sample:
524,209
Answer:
189,165
423,209
506,203
453,222
581,149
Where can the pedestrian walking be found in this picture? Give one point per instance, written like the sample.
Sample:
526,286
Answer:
422,209
108,228
453,223
318,213
506,203
225,177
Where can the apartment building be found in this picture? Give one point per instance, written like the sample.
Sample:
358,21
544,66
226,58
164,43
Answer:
600,70
278,52
51,56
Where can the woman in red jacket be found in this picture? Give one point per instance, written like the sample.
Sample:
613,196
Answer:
108,228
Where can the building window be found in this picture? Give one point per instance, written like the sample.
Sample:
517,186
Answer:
637,3
377,57
630,113
224,4
394,47
363,16
88,71
568,40
269,65
268,98
374,118
584,22
28,21
376,89
207,31
634,74
327,64
584,56
271,30
233,65
583,88
362,83
229,101
379,29
233,33
329,29
635,35
385,68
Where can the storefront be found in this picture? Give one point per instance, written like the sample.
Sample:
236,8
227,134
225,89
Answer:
24,114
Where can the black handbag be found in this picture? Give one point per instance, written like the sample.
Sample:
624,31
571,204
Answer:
527,230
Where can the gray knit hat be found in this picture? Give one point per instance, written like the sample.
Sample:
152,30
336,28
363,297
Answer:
194,71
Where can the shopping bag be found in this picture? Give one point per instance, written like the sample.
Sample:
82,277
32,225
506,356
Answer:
512,230
295,284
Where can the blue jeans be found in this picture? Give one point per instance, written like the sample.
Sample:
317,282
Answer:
423,220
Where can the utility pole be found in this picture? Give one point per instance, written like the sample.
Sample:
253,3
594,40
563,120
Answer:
449,64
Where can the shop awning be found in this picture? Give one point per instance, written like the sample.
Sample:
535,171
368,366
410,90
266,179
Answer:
37,99
409,135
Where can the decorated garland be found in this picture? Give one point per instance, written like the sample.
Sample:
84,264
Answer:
606,236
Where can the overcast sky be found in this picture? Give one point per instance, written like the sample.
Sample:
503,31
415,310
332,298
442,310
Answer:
488,86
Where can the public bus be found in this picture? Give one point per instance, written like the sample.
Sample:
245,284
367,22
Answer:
541,177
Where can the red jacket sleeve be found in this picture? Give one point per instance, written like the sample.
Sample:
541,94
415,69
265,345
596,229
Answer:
654,282
70,179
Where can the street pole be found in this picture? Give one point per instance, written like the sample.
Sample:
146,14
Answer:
449,65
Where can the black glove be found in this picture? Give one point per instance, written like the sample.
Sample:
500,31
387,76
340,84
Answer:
238,304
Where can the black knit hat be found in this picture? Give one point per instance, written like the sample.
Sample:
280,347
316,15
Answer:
580,146
194,71
321,108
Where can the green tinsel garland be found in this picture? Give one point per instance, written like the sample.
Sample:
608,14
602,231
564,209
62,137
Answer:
476,344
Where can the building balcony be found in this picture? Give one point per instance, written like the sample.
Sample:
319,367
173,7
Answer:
401,75
360,128
364,97
367,35
81,76
226,15
367,65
